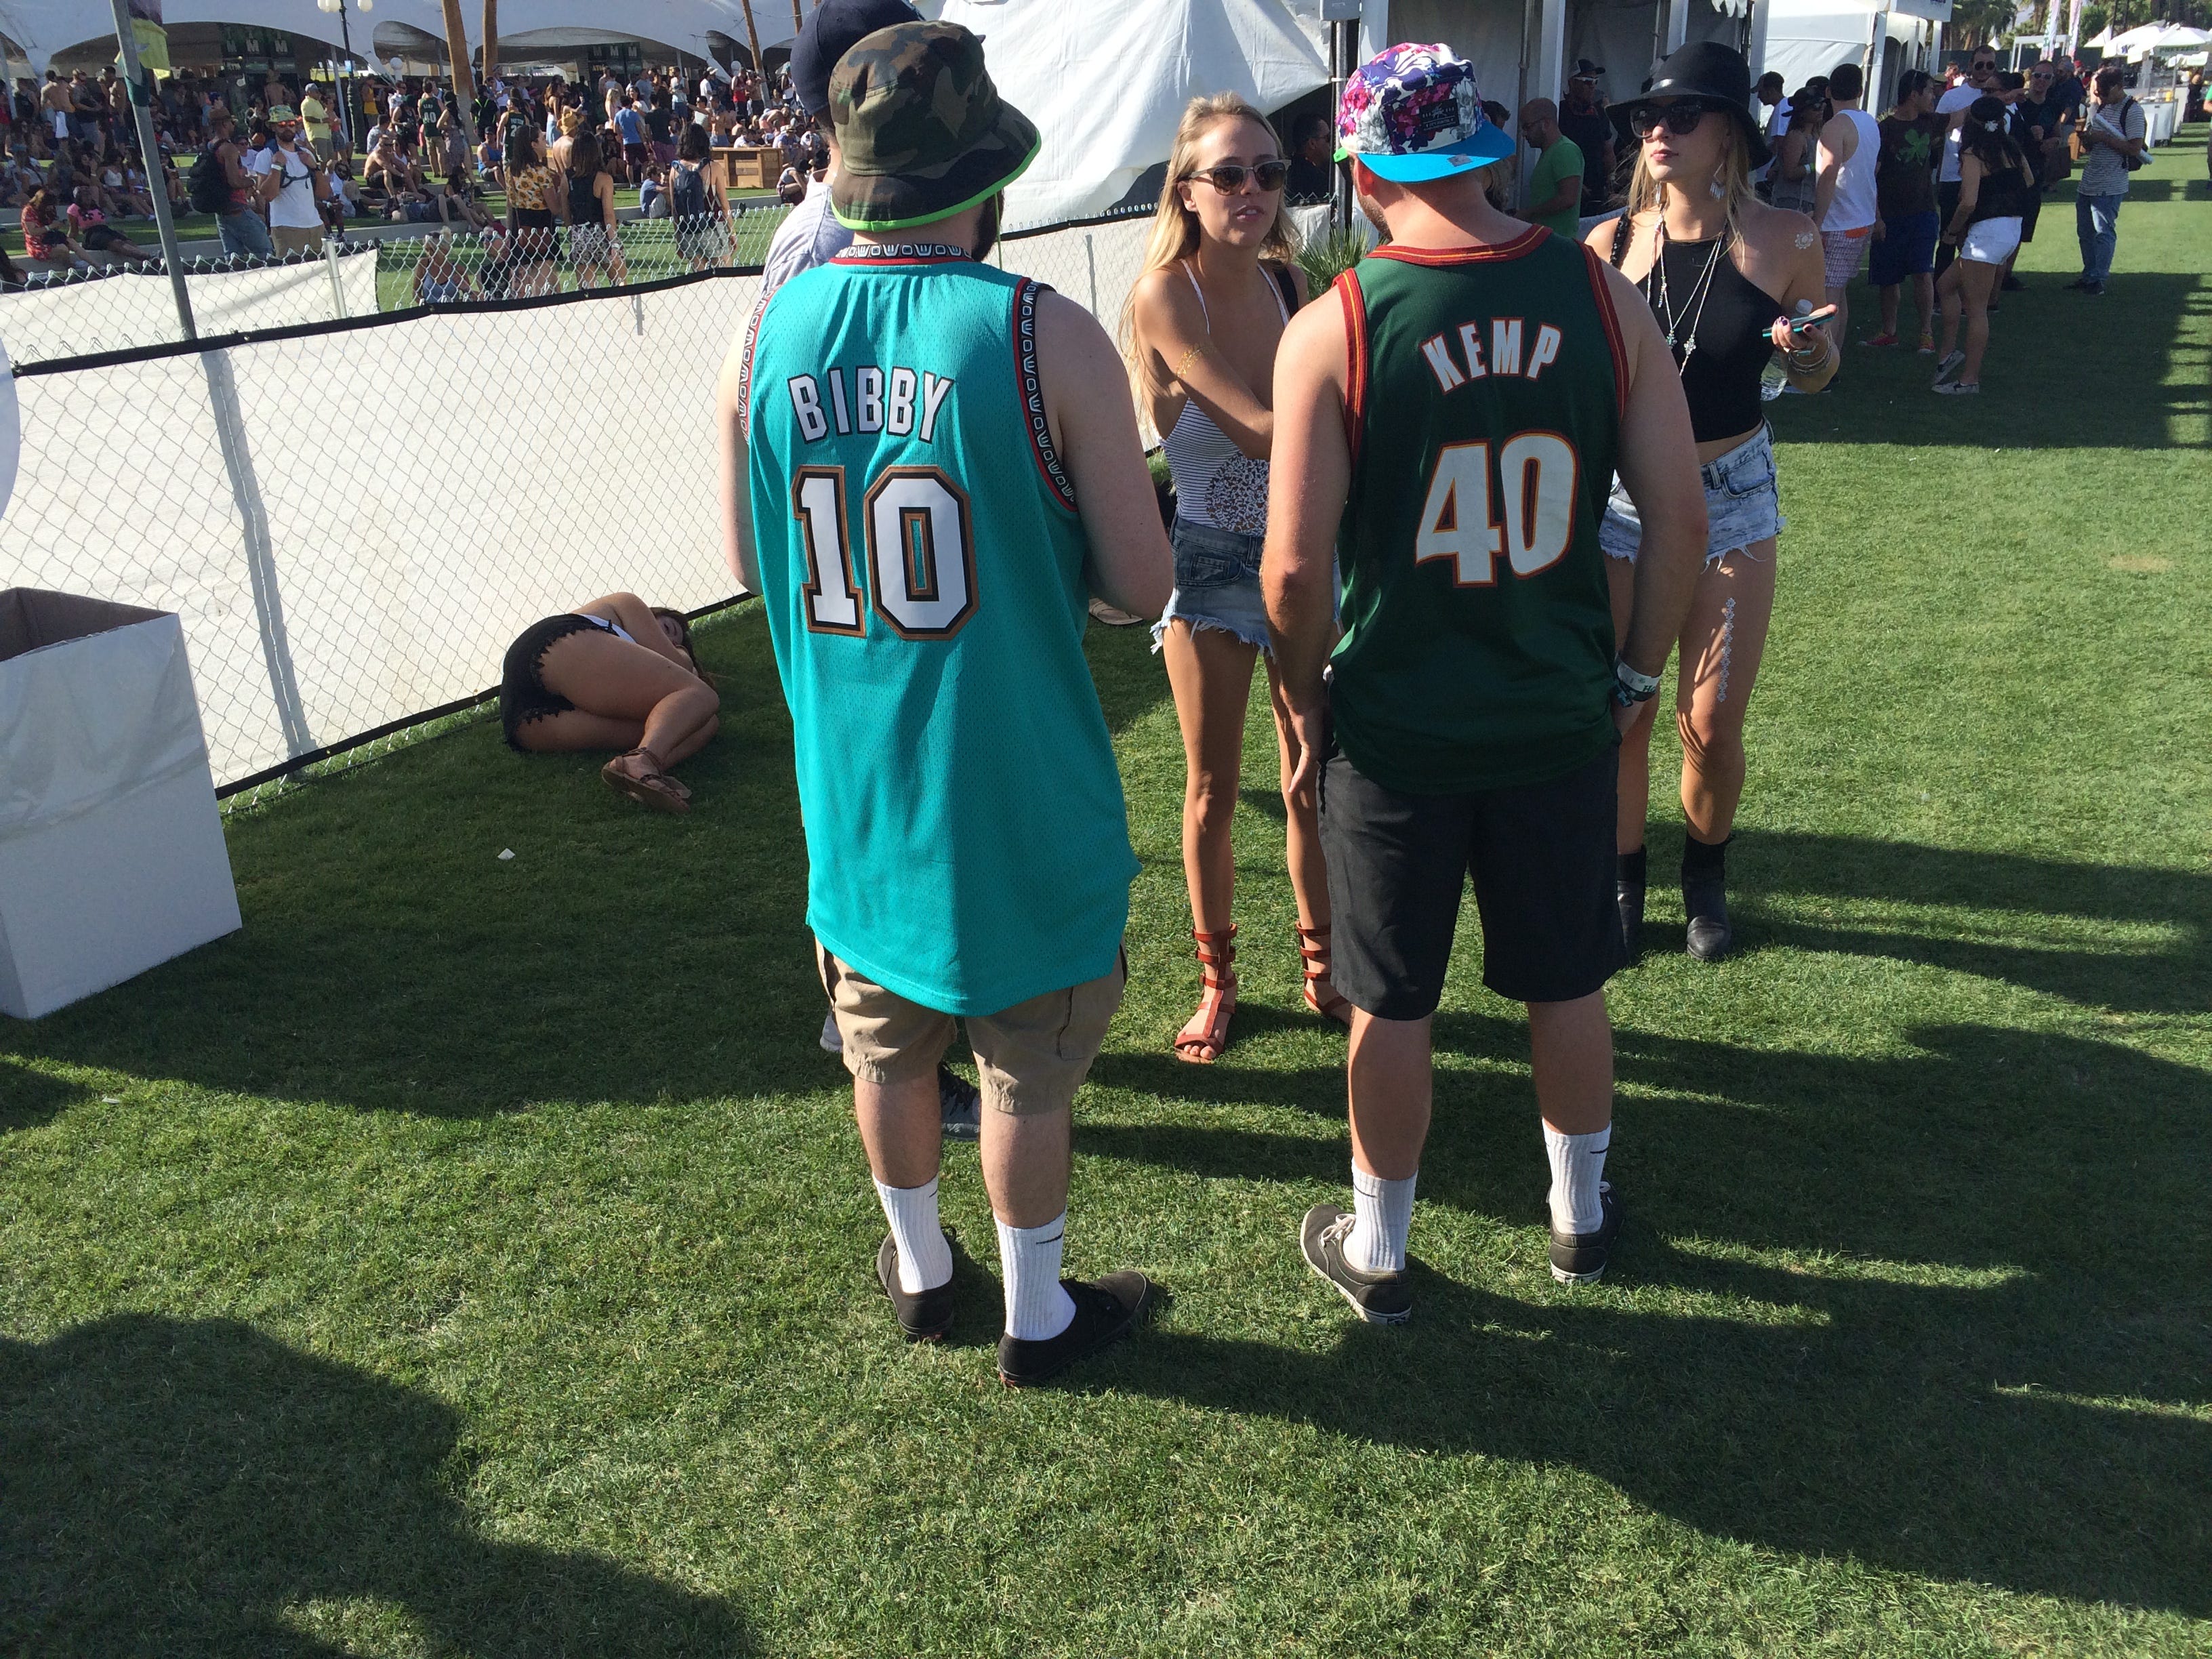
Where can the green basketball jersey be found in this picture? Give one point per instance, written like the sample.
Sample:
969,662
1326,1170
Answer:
1486,392
921,563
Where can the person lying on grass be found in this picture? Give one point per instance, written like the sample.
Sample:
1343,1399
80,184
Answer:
617,673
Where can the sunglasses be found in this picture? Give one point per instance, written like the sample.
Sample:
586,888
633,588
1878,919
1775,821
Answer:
1229,176
1681,120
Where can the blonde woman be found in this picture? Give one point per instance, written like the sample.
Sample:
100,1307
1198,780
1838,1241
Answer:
1725,274
1221,278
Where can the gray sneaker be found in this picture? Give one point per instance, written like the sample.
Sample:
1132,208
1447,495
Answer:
1382,1299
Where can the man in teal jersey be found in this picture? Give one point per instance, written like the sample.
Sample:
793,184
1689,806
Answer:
1452,424
919,490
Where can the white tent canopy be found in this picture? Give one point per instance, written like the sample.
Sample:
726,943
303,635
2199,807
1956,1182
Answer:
2141,42
1106,82
42,27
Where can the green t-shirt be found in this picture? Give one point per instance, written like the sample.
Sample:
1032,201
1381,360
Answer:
1560,163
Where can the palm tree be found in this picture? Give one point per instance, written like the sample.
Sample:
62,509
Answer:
490,40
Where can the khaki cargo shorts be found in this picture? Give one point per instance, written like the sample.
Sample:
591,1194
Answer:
1031,1057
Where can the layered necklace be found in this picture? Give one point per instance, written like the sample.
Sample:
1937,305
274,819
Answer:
1671,317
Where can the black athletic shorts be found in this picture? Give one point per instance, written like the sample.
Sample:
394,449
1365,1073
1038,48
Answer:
1542,860
522,694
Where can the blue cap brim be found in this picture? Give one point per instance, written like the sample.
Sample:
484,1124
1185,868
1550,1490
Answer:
1486,146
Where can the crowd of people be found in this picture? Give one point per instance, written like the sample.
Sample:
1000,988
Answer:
284,171
1937,196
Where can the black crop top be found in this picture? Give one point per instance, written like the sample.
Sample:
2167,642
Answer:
2002,195
1729,316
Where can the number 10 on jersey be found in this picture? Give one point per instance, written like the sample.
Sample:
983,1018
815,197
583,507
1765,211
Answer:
920,545
1535,485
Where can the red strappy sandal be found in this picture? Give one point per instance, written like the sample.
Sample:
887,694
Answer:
654,788
1313,945
1208,1028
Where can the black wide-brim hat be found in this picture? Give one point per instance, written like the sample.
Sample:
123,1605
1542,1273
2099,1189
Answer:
1706,68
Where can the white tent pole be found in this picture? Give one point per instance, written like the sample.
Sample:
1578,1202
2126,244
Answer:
1758,53
1678,24
1550,73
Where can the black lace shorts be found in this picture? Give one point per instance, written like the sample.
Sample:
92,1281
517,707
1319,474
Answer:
522,695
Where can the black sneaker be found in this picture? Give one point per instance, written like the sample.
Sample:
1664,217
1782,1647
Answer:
2012,284
2094,290
924,1316
1106,1310
962,1103
1580,1258
1705,902
2079,282
1629,896
1379,1298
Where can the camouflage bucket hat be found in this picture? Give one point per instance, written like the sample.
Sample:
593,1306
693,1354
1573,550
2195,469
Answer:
922,132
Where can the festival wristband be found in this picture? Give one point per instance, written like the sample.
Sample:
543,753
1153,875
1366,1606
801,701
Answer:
1631,688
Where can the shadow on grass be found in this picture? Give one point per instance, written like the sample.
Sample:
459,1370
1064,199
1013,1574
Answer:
2150,326
390,960
1937,1429
191,1487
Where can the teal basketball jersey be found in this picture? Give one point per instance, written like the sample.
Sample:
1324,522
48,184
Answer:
921,563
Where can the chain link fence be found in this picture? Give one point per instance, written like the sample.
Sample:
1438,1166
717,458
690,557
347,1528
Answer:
91,310
363,481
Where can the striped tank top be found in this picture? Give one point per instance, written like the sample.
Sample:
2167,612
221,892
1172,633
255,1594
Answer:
1216,483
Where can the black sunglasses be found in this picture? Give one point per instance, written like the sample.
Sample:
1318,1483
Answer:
1229,176
1681,120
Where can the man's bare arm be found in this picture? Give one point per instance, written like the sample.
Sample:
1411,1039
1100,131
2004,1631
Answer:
1309,478
1658,466
733,476
1094,430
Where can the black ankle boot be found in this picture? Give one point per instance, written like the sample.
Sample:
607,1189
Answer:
1704,897
1628,872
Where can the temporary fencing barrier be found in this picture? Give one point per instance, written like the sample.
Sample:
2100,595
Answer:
355,520
355,515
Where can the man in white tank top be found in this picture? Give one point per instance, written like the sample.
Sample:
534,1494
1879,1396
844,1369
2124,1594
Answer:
1843,189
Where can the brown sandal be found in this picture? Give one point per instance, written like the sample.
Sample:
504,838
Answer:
1313,945
655,789
1209,1027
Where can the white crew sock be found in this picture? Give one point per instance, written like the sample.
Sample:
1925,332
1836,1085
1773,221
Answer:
1036,1308
924,1259
1577,1165
1384,1213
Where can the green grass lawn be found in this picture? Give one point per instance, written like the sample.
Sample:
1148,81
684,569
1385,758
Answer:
475,1256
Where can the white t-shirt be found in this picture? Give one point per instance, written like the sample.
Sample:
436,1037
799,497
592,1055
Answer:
1777,119
293,207
809,235
1960,97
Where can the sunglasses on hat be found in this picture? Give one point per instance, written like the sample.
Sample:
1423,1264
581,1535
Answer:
1228,177
1680,118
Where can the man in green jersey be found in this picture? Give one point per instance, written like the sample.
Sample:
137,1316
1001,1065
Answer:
923,487
1451,423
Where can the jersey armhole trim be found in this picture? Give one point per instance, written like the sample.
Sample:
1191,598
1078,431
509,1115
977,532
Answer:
745,369
1031,389
1355,355
1608,316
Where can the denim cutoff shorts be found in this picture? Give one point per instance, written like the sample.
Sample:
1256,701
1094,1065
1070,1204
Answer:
1217,583
1740,505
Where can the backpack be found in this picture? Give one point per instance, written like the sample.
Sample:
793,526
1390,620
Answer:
687,193
208,190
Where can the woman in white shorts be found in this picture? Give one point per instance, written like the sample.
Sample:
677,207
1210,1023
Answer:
1994,183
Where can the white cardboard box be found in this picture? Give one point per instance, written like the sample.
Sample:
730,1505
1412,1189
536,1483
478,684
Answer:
112,856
